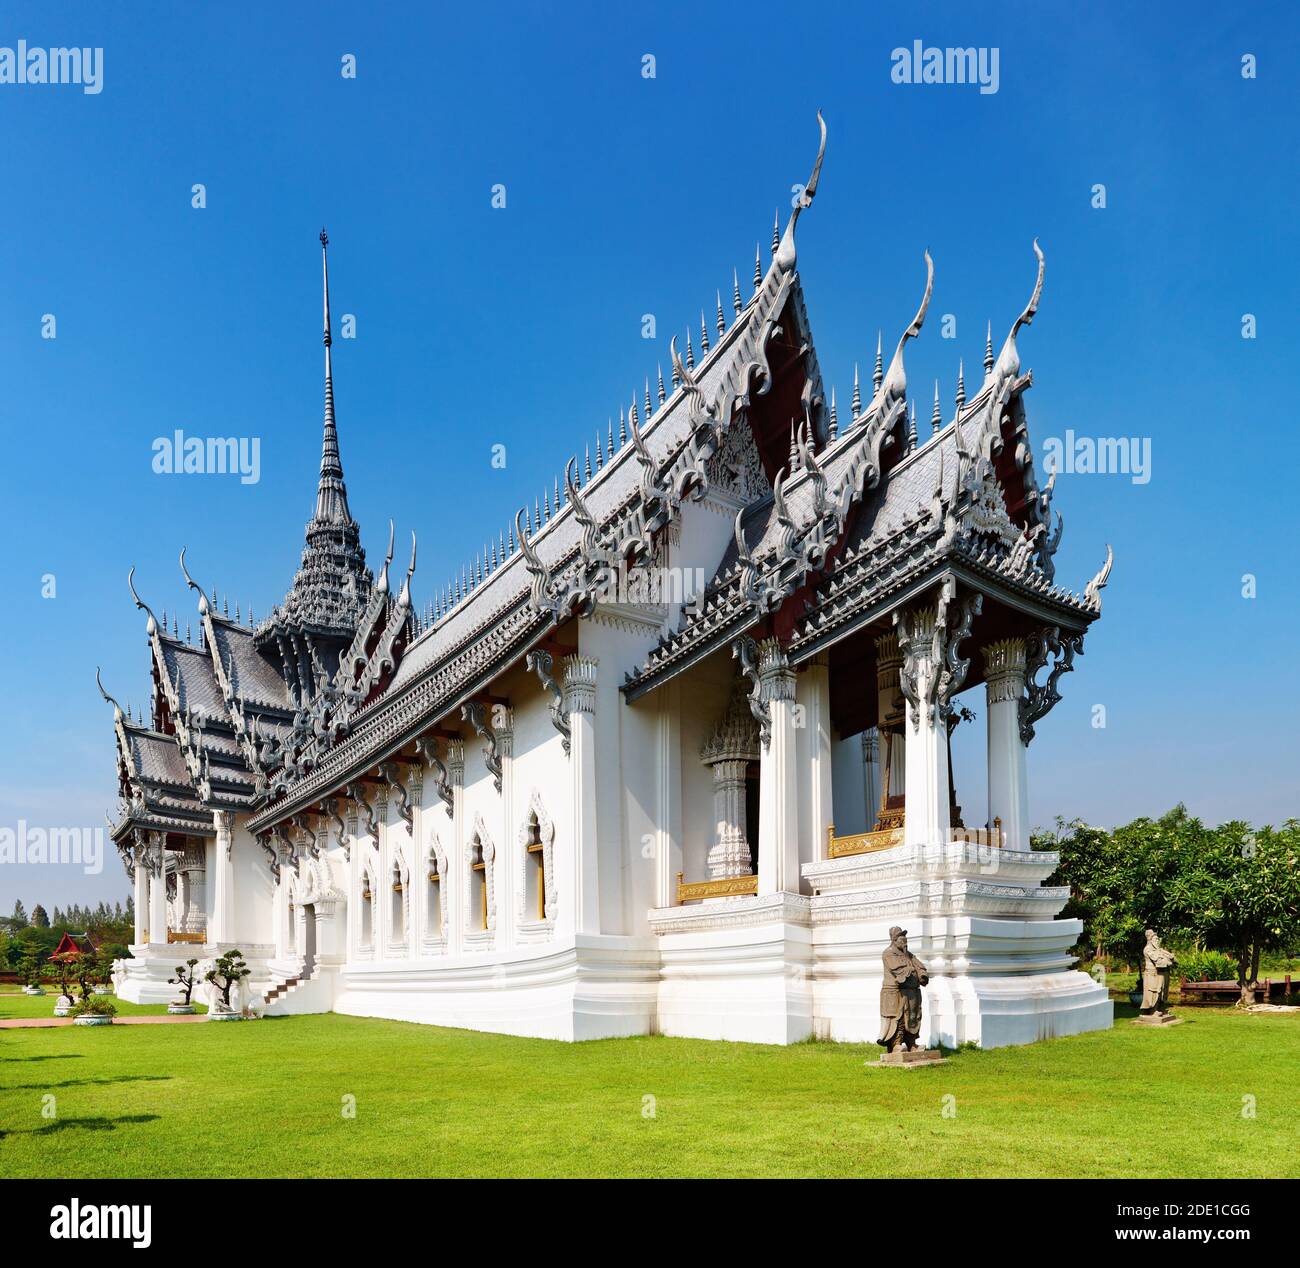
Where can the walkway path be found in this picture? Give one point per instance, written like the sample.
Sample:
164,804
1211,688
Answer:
24,1023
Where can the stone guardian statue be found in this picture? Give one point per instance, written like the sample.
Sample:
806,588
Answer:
1157,964
900,994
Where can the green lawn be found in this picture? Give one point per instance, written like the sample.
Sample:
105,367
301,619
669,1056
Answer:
271,1098
16,1004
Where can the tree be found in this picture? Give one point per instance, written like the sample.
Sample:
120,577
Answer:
19,919
29,969
1121,882
185,980
1241,893
65,966
39,917
227,971
92,970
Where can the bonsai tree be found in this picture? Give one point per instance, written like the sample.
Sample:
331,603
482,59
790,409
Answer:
228,970
65,966
96,1006
29,969
185,980
92,970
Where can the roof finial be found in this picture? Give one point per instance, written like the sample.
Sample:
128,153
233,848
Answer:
878,374
835,425
794,453
776,232
610,438
331,493
936,419
735,291
758,267
722,321
961,383
600,455
894,386
647,399
690,352
622,429
704,333
911,428
99,682
663,396
1008,363
587,467
988,350
857,393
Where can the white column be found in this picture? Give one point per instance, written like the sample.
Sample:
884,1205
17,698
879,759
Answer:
222,927
815,693
455,885
891,744
157,889
1004,682
927,819
140,854
778,793
580,705
871,758
508,848
668,807
729,853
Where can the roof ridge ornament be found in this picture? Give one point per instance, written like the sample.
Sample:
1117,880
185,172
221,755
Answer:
117,708
194,585
894,386
1008,362
152,624
784,256
1092,591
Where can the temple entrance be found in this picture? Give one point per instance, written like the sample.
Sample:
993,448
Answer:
308,938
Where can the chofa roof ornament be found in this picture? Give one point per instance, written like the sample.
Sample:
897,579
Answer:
194,585
1008,362
785,252
152,624
894,387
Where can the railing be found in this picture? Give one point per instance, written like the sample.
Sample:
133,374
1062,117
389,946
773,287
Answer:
726,887
993,836
887,838
861,842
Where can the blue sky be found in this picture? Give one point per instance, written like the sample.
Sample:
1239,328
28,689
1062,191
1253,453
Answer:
522,326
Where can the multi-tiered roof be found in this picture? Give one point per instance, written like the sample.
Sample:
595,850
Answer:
833,525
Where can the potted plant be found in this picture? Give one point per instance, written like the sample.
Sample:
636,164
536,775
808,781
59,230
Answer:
64,966
224,975
95,1011
29,968
185,980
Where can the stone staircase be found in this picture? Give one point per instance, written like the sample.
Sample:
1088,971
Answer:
284,986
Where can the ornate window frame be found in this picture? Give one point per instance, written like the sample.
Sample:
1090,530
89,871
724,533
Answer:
436,856
529,926
480,838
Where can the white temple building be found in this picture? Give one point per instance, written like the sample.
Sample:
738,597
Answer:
671,757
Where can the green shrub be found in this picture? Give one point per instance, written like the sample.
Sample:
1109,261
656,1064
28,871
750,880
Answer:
1206,966
96,1006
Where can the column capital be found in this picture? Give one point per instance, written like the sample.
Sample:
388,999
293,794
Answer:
1004,669
776,680
579,683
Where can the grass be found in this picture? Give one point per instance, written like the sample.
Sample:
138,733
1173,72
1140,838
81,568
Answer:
16,1004
271,1098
